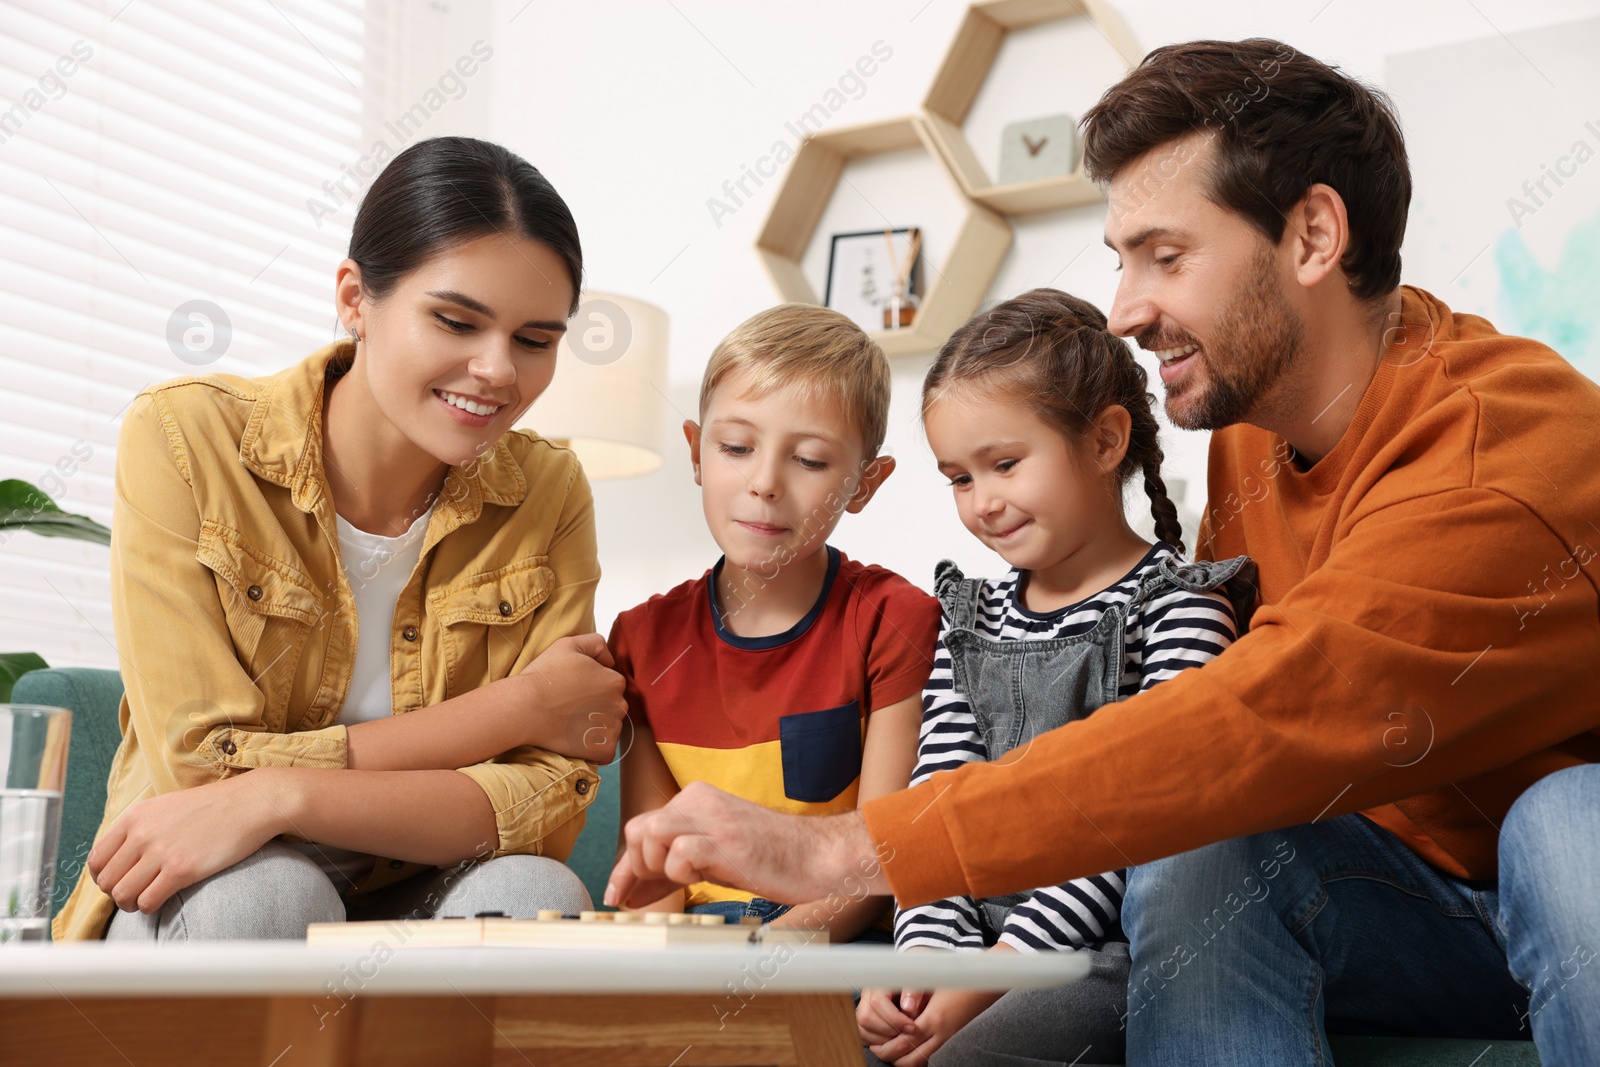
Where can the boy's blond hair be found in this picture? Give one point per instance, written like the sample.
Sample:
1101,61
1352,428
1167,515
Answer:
815,348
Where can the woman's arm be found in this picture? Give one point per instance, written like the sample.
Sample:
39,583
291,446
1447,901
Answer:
647,784
197,713
567,701
173,840
200,715
887,758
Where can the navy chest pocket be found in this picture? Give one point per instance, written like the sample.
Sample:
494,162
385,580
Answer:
821,752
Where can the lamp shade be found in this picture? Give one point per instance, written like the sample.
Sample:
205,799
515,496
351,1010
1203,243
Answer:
607,401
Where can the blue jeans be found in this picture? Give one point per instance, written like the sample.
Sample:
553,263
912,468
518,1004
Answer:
734,910
1248,952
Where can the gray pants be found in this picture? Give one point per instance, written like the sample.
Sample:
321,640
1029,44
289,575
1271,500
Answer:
1078,1024
278,891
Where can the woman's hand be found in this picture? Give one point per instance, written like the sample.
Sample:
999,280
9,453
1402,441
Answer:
169,842
579,706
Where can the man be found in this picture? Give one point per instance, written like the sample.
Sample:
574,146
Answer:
1372,813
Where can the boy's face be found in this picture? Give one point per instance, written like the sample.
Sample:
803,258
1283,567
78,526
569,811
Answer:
777,473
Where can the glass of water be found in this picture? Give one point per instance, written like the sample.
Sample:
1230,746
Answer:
33,754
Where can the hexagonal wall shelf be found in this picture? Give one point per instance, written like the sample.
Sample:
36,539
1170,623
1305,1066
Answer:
955,287
966,66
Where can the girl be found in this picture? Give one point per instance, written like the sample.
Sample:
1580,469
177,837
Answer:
353,612
1039,417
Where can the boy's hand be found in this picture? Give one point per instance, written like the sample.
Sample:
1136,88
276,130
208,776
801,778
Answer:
945,1012
885,1014
579,699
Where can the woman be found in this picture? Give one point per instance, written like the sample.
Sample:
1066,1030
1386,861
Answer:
353,613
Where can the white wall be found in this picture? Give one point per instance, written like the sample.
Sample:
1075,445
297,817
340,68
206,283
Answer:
640,110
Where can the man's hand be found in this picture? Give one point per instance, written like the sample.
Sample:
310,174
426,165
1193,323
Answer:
579,700
706,835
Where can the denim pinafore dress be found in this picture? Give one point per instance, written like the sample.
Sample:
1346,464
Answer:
1019,689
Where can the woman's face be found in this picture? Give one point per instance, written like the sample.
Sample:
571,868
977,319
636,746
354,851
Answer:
465,343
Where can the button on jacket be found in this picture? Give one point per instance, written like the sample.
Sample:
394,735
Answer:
236,623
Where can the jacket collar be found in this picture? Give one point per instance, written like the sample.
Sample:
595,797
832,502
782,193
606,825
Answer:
282,443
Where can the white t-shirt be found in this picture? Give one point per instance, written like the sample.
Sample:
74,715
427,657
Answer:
377,568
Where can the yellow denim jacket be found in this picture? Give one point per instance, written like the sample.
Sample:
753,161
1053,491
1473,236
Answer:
236,624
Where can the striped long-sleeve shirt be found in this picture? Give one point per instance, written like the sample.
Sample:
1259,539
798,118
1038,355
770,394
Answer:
1164,635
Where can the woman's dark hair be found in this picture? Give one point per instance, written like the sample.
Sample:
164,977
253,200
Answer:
1052,352
1280,123
447,190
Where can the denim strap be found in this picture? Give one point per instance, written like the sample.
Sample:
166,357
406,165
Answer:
959,595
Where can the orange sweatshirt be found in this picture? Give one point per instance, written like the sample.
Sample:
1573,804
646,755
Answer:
1424,645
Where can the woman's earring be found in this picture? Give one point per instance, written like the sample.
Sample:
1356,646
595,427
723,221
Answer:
353,333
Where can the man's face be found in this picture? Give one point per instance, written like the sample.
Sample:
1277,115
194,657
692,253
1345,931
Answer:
1201,288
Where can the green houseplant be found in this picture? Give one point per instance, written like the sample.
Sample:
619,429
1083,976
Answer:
24,506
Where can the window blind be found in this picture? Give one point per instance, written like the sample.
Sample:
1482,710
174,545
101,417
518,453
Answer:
160,166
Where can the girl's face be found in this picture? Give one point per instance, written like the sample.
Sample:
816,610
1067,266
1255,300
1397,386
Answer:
1021,486
464,343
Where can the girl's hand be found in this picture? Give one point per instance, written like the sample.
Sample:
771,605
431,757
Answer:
945,1012
169,842
885,1014
579,703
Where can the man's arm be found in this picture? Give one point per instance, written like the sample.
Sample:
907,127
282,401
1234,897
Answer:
1293,723
1412,620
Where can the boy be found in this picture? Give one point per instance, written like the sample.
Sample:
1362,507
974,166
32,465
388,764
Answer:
787,674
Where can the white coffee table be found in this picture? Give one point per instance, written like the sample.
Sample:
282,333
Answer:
273,1004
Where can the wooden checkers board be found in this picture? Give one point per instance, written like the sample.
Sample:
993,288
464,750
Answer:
589,929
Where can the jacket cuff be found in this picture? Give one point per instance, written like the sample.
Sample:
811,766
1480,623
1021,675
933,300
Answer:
242,750
911,839
534,805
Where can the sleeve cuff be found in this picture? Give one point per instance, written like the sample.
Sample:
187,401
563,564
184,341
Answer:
235,750
936,945
913,844
536,803
902,686
1020,945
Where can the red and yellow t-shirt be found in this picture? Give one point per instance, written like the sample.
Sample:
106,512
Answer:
778,720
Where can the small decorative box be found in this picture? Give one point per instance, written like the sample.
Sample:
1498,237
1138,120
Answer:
1038,148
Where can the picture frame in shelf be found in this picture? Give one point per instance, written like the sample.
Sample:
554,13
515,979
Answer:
867,269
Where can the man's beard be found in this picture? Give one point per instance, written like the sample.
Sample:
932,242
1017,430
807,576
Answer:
1253,339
